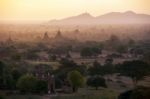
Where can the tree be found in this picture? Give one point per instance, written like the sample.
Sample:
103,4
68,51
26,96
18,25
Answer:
108,61
96,69
58,83
146,57
6,79
114,38
41,86
27,83
137,93
67,63
90,51
53,57
113,42
16,57
122,48
96,64
67,66
68,55
131,42
96,82
135,69
86,52
2,66
16,74
76,80
31,54
108,67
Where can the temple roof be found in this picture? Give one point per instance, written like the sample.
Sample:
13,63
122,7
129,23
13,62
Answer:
46,37
58,35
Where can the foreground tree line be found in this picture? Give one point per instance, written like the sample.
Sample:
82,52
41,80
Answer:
14,78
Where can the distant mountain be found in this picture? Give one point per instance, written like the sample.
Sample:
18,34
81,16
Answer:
128,17
84,18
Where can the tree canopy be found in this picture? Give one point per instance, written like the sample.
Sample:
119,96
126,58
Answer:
96,82
27,83
90,52
135,69
76,79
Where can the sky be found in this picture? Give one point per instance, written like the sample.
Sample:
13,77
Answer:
58,9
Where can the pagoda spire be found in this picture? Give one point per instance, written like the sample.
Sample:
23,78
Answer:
59,34
9,40
46,37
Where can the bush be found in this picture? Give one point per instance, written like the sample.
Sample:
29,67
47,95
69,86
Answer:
96,82
138,93
41,86
27,83
76,79
2,97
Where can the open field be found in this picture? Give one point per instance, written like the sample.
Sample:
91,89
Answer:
82,94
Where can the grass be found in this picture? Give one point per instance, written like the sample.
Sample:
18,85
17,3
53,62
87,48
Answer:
81,94
90,94
24,97
54,65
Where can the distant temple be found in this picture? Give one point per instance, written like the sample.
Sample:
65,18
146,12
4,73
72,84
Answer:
59,35
76,34
46,37
76,31
9,40
58,39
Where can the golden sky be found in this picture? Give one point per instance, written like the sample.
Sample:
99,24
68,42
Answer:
57,9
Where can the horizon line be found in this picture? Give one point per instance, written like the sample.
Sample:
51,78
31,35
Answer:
47,19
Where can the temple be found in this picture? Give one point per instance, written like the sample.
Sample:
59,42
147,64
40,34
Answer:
58,35
9,40
58,39
46,37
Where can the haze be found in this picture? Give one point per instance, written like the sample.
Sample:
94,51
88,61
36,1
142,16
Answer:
22,10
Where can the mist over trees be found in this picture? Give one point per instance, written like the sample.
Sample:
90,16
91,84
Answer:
45,59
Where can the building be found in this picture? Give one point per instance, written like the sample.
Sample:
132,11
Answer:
9,41
46,37
59,35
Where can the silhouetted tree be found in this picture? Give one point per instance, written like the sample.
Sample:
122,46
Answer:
96,82
90,52
41,86
135,69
